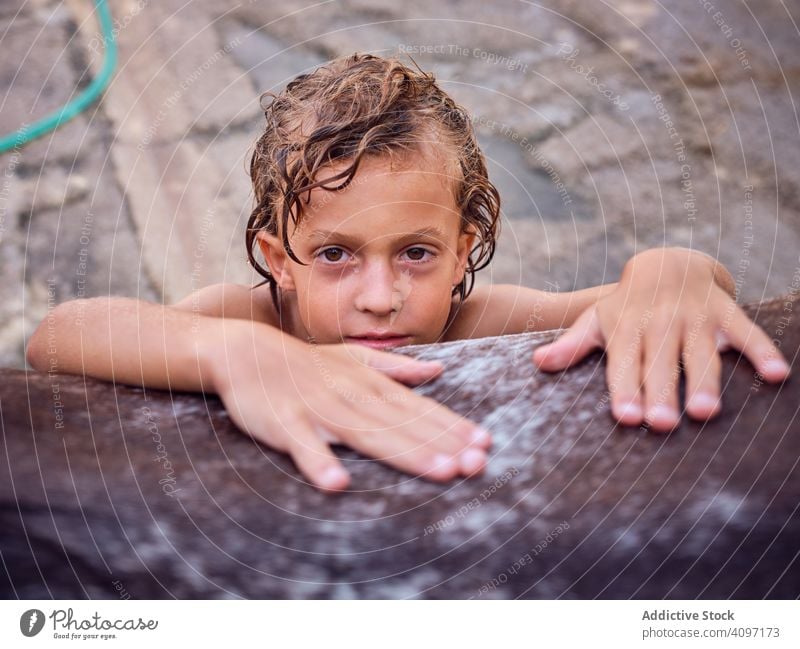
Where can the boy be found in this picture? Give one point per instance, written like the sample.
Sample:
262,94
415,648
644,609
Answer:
373,212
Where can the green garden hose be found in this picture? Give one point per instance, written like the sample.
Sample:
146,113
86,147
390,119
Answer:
25,134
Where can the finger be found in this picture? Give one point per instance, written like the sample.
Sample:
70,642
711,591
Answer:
661,374
385,403
312,455
623,375
428,417
396,366
702,366
390,440
754,343
437,428
239,407
438,420
582,337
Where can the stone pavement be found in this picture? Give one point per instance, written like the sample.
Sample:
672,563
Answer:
610,127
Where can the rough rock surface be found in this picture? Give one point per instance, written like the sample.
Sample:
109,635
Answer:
105,488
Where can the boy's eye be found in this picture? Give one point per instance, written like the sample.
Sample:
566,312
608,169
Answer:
333,254
417,254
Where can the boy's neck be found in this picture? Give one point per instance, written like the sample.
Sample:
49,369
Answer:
291,322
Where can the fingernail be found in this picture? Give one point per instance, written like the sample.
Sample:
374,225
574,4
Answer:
333,477
443,463
481,436
704,401
661,413
431,364
629,410
541,356
776,366
472,461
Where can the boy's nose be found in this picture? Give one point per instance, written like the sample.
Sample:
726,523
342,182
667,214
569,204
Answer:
375,293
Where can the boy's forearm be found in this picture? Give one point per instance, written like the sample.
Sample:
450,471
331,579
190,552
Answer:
502,309
128,341
568,306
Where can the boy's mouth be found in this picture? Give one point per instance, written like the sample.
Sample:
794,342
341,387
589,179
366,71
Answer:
378,340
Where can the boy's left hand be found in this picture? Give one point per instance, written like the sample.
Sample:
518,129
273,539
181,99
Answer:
667,309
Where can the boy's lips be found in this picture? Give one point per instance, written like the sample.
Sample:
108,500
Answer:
380,339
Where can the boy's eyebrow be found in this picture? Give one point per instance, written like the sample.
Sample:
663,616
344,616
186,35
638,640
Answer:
430,231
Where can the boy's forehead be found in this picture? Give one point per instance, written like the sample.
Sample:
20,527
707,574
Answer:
376,175
382,183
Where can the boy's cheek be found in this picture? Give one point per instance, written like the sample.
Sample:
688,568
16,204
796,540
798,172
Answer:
431,313
317,307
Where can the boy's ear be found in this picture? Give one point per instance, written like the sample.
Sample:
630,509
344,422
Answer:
276,258
466,240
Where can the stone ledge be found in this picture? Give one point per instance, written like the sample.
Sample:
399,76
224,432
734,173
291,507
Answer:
571,505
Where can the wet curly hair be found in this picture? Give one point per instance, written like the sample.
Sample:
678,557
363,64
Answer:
355,106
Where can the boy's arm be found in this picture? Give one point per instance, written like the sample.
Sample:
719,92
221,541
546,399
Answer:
231,301
126,340
140,343
501,309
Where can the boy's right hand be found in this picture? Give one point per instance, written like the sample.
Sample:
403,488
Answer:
299,398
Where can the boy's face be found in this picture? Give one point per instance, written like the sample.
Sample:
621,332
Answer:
384,255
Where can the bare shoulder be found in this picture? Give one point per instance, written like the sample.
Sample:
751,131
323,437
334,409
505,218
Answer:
501,309
231,301
469,319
